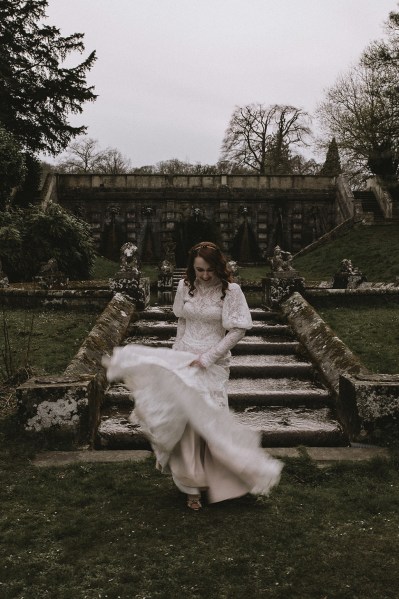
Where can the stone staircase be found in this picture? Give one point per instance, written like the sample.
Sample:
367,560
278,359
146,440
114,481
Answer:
178,274
273,387
369,204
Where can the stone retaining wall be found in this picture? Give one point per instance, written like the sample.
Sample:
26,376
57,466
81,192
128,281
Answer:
364,399
366,290
330,354
108,332
90,299
65,409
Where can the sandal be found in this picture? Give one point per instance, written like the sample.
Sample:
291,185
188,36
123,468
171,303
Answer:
194,502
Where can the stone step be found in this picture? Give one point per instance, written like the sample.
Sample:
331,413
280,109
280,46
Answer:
150,341
117,395
278,427
256,344
270,330
245,392
162,329
265,315
117,432
266,392
248,345
268,365
158,313
287,427
151,328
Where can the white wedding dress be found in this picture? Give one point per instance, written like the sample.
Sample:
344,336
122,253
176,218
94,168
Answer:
183,409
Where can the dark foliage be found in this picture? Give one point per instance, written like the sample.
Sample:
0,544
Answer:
29,190
37,93
332,164
12,166
29,238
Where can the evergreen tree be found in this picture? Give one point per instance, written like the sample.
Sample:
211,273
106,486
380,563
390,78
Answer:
28,193
38,93
12,166
332,164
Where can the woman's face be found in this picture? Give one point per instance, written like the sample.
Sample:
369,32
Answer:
203,270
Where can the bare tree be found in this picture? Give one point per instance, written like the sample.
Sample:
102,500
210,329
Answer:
174,166
385,51
261,137
82,156
364,119
112,162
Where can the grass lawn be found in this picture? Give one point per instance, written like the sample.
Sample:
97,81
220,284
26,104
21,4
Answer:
123,531
104,268
370,329
46,340
373,249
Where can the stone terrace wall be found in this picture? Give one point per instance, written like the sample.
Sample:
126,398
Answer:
291,211
131,181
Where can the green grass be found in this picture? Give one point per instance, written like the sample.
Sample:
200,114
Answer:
44,339
254,273
103,268
370,329
89,531
373,249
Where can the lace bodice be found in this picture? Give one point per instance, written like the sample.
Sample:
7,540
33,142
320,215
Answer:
204,319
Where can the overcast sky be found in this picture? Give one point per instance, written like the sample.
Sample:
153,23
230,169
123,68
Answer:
170,72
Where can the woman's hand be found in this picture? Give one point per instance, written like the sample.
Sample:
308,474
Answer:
198,363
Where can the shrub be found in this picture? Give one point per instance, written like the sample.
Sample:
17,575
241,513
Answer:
30,237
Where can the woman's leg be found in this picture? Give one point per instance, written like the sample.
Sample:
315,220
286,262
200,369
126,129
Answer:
186,465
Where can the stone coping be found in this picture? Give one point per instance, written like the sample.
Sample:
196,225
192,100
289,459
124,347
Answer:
326,350
369,289
321,455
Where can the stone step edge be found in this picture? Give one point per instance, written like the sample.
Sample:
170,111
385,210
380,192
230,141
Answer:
323,456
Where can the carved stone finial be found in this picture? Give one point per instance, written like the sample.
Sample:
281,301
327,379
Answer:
128,279
128,257
50,276
348,276
281,261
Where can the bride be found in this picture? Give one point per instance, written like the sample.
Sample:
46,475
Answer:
181,394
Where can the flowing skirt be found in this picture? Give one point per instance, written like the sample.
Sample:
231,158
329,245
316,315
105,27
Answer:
182,411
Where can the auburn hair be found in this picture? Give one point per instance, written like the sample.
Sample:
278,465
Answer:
213,255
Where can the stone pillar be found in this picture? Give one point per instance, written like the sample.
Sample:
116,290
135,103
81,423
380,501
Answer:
165,282
136,288
62,408
279,286
348,276
128,280
374,399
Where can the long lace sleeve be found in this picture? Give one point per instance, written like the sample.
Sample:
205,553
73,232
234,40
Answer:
235,314
236,319
220,350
